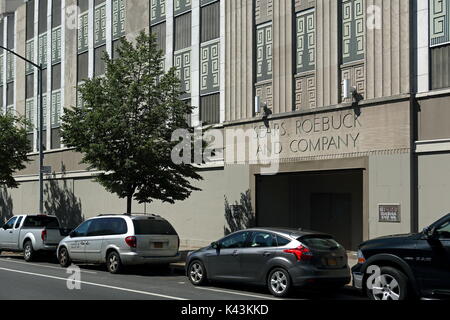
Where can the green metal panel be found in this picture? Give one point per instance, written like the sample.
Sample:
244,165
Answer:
439,22
353,30
29,54
182,64
56,109
83,36
118,18
10,72
157,11
210,68
100,25
306,42
29,114
181,6
264,53
56,45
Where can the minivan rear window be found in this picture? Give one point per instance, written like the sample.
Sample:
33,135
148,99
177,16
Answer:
41,222
153,226
319,242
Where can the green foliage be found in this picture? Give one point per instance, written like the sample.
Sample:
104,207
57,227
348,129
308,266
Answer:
14,147
126,124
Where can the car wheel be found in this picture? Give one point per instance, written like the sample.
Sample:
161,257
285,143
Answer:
113,263
197,273
64,258
279,283
391,284
28,251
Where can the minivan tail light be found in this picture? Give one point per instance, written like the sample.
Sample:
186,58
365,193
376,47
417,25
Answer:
301,253
131,242
43,234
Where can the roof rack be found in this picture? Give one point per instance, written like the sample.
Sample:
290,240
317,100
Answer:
126,214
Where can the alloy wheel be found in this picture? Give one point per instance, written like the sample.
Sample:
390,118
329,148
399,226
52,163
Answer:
113,263
386,288
279,282
196,273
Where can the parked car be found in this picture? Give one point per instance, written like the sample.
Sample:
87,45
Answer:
121,240
412,265
277,258
31,234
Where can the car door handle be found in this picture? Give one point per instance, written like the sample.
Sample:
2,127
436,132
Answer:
267,254
10,232
236,253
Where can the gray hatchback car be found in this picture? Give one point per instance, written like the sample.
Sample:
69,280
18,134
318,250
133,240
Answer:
119,240
277,258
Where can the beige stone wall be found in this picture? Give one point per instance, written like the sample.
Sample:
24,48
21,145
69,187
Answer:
383,73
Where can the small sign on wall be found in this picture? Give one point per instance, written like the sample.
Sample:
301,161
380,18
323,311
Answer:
389,213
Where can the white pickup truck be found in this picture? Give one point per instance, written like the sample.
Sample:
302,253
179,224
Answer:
31,234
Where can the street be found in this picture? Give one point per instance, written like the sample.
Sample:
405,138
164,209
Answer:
47,280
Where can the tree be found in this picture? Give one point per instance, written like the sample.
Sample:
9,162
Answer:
125,126
14,147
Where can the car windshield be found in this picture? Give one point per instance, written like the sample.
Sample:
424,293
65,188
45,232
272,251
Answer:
153,226
41,222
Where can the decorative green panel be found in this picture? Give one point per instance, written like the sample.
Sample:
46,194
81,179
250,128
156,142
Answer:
56,109
10,62
264,53
100,25
182,64
80,102
2,72
42,49
44,108
181,6
118,18
306,42
353,30
29,54
83,36
29,113
439,22
210,68
157,11
56,45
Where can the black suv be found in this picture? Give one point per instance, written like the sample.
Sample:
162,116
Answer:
404,266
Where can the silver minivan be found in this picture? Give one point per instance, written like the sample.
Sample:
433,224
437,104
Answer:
120,240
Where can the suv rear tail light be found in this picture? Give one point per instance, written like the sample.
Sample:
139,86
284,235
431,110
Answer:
361,259
131,242
43,234
302,253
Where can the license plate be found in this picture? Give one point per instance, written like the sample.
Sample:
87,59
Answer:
332,262
158,245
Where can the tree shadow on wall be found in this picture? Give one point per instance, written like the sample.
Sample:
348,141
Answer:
6,206
62,202
239,216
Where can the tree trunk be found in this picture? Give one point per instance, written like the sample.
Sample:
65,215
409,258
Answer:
129,203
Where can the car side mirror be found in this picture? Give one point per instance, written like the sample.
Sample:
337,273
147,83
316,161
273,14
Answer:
72,234
215,245
5,227
430,233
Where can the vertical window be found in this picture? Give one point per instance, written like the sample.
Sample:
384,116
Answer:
182,54
29,45
305,57
210,63
353,30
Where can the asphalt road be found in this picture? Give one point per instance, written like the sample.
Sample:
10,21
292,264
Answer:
47,280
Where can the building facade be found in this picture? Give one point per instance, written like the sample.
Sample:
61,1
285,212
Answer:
358,167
